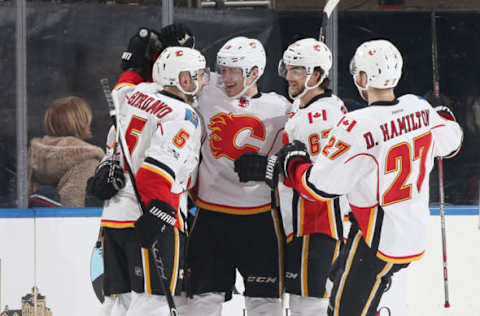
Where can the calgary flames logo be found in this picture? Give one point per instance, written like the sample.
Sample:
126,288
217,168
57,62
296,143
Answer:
227,134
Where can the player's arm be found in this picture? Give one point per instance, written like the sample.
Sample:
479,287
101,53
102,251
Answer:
145,46
164,160
341,164
447,133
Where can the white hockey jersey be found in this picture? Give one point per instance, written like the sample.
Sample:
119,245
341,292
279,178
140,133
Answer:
163,135
234,127
311,125
381,157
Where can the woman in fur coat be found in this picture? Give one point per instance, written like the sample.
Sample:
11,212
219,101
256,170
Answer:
62,158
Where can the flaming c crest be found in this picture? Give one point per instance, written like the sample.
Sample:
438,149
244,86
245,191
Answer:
225,127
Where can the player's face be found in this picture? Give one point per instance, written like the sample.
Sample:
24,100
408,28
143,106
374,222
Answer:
232,80
296,77
203,79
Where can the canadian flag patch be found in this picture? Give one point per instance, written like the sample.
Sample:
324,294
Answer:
312,116
346,123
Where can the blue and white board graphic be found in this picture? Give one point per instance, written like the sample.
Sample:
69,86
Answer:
96,271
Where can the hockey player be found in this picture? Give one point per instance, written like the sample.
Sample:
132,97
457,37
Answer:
235,227
314,228
380,157
162,133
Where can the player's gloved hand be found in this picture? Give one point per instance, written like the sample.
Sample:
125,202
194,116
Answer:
250,167
291,155
107,181
445,112
159,218
140,51
146,45
256,167
176,34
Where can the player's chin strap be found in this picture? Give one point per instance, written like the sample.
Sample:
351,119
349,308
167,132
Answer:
307,87
245,87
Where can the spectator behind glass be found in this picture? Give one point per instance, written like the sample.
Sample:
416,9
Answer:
62,158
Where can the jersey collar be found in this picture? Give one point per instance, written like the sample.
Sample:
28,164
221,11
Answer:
385,103
326,94
171,95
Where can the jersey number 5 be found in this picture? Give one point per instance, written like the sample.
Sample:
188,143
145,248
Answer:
398,159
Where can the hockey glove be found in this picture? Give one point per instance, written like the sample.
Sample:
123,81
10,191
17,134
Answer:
107,181
158,219
142,47
176,34
251,167
445,112
256,167
291,155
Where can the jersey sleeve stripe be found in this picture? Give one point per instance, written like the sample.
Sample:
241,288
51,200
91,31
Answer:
158,171
161,166
313,191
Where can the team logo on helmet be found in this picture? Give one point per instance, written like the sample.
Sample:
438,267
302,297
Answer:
252,44
179,53
227,139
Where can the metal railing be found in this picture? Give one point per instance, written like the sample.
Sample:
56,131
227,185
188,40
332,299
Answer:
246,3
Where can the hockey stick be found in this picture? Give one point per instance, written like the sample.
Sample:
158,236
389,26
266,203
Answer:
436,94
327,12
158,261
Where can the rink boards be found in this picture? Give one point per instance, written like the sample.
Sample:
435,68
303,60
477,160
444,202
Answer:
65,237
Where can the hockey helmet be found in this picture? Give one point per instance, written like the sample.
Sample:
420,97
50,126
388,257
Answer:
175,60
243,53
381,61
309,54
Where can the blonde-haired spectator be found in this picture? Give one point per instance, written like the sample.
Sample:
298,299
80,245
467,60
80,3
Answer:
62,158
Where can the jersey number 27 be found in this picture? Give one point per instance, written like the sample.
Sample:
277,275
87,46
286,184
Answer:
398,159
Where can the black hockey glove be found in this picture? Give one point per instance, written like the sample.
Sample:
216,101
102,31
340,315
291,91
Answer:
145,46
445,112
256,167
176,34
291,155
158,219
140,51
107,181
